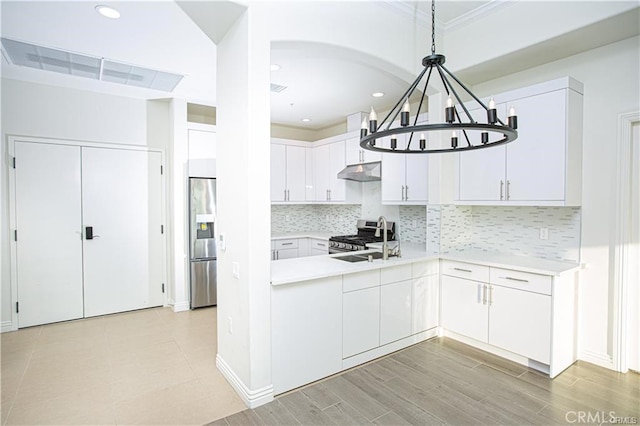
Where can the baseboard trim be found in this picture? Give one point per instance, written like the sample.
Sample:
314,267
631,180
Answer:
602,360
6,326
251,398
181,307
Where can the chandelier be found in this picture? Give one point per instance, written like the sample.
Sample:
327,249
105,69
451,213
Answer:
456,122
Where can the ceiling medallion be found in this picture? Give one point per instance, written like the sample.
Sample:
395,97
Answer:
457,122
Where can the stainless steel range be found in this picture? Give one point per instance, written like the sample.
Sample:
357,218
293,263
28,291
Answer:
359,241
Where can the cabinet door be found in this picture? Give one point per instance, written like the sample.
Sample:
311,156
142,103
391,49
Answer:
417,173
321,172
336,164
536,160
286,253
520,322
309,182
395,311
296,169
361,321
424,303
462,306
278,172
393,178
306,337
481,172
353,154
49,225
121,199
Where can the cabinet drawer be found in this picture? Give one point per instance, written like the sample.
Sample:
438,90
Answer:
361,280
395,274
320,245
286,244
521,280
468,271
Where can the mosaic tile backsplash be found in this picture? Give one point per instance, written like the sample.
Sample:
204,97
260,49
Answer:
513,230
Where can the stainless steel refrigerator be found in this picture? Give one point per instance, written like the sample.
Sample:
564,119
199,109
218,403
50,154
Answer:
202,236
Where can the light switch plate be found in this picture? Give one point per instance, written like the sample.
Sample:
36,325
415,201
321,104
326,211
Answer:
236,270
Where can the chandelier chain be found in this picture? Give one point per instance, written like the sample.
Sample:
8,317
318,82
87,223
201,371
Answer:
433,27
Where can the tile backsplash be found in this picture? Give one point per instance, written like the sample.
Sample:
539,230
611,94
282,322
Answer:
338,219
413,224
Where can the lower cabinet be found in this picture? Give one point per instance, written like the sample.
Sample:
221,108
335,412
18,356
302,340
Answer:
395,311
298,247
306,332
512,311
361,321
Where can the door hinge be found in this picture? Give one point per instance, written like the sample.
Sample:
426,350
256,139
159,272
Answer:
163,287
161,170
14,162
17,308
15,235
162,229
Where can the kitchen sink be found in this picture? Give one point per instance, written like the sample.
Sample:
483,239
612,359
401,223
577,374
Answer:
359,257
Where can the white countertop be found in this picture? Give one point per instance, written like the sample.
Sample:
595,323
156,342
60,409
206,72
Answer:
314,267
303,234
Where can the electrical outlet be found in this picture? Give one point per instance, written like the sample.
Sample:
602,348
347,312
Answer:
236,270
327,218
230,325
544,233
414,224
287,218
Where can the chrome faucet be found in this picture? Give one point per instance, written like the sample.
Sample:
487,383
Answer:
382,221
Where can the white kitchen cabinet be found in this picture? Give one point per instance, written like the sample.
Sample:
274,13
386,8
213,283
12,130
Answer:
306,332
404,176
328,161
355,154
529,315
318,247
425,301
361,321
395,311
288,173
543,166
284,249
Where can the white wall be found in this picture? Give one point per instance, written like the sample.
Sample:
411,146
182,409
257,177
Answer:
45,111
610,75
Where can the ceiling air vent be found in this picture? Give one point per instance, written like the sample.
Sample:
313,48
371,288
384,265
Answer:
276,88
79,65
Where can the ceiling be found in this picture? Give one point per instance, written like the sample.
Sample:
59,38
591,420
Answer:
160,35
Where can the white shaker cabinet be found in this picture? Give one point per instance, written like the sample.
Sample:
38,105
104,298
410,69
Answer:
543,166
288,173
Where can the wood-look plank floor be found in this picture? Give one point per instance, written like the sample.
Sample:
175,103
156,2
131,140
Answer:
442,381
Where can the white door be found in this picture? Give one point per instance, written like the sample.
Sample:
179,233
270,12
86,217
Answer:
49,225
278,172
482,172
536,160
121,197
633,261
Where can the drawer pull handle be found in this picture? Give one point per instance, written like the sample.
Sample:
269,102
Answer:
516,279
286,244
321,245
463,270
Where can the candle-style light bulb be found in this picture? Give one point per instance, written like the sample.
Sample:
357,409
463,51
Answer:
449,111
423,142
492,114
373,121
363,129
394,141
454,139
404,115
512,118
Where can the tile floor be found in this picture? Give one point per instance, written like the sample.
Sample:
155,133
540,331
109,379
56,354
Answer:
145,367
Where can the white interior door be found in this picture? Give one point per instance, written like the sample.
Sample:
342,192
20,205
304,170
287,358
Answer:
49,226
121,197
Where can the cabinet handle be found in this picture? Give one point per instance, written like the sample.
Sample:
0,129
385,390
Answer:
406,193
501,190
286,244
508,184
288,195
329,191
402,191
484,294
520,280
277,255
321,245
463,270
285,195
490,295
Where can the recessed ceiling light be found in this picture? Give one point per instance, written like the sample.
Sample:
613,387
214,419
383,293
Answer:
377,94
107,11
275,67
306,120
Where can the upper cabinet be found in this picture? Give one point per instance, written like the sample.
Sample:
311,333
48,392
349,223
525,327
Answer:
288,173
544,165
355,154
404,176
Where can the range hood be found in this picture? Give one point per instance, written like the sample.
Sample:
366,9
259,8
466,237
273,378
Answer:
364,172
